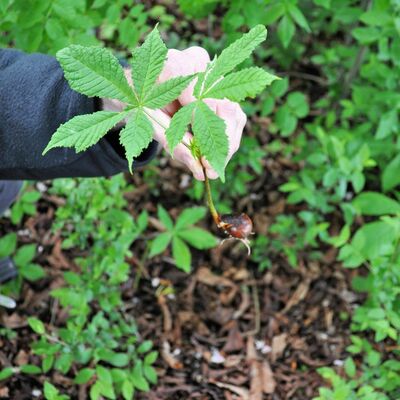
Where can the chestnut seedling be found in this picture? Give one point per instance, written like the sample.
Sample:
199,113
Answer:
238,227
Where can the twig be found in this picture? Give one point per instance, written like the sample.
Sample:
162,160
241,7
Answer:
257,313
303,75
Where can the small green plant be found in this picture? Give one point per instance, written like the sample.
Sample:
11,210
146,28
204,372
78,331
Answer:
26,205
99,346
23,257
52,393
181,234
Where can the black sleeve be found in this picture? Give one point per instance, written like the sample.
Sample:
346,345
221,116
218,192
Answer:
34,100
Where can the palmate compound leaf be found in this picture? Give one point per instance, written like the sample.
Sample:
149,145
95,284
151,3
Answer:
209,132
238,85
235,54
84,131
178,126
94,71
147,63
136,136
164,93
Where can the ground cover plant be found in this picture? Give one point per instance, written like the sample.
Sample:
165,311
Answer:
313,312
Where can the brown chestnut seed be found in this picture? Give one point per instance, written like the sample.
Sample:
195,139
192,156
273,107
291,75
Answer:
236,226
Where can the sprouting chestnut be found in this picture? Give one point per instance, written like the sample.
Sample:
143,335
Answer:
236,226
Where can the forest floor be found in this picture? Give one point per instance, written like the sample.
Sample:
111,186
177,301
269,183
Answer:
229,331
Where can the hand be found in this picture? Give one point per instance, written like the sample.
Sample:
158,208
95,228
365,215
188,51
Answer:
186,62
181,63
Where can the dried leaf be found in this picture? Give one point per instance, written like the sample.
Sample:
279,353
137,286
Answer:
168,357
241,392
205,276
235,339
278,346
299,294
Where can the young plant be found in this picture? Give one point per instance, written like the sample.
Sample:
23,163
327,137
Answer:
181,234
26,204
23,258
96,72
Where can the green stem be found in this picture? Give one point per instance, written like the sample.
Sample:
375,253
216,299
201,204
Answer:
210,202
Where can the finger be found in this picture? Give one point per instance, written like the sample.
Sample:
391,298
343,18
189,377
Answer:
182,63
172,108
235,120
196,58
210,171
160,121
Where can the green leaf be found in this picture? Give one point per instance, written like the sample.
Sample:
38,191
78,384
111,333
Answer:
350,367
235,54
238,85
150,373
145,347
6,373
298,16
387,124
50,391
64,362
8,244
286,31
151,358
298,104
136,136
30,369
147,63
25,254
159,244
103,374
285,120
54,28
84,130
127,390
113,358
198,238
47,363
181,254
138,379
366,35
164,217
372,203
84,375
31,197
94,71
374,239
373,358
391,174
36,325
189,216
164,93
210,136
105,382
178,126
32,272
